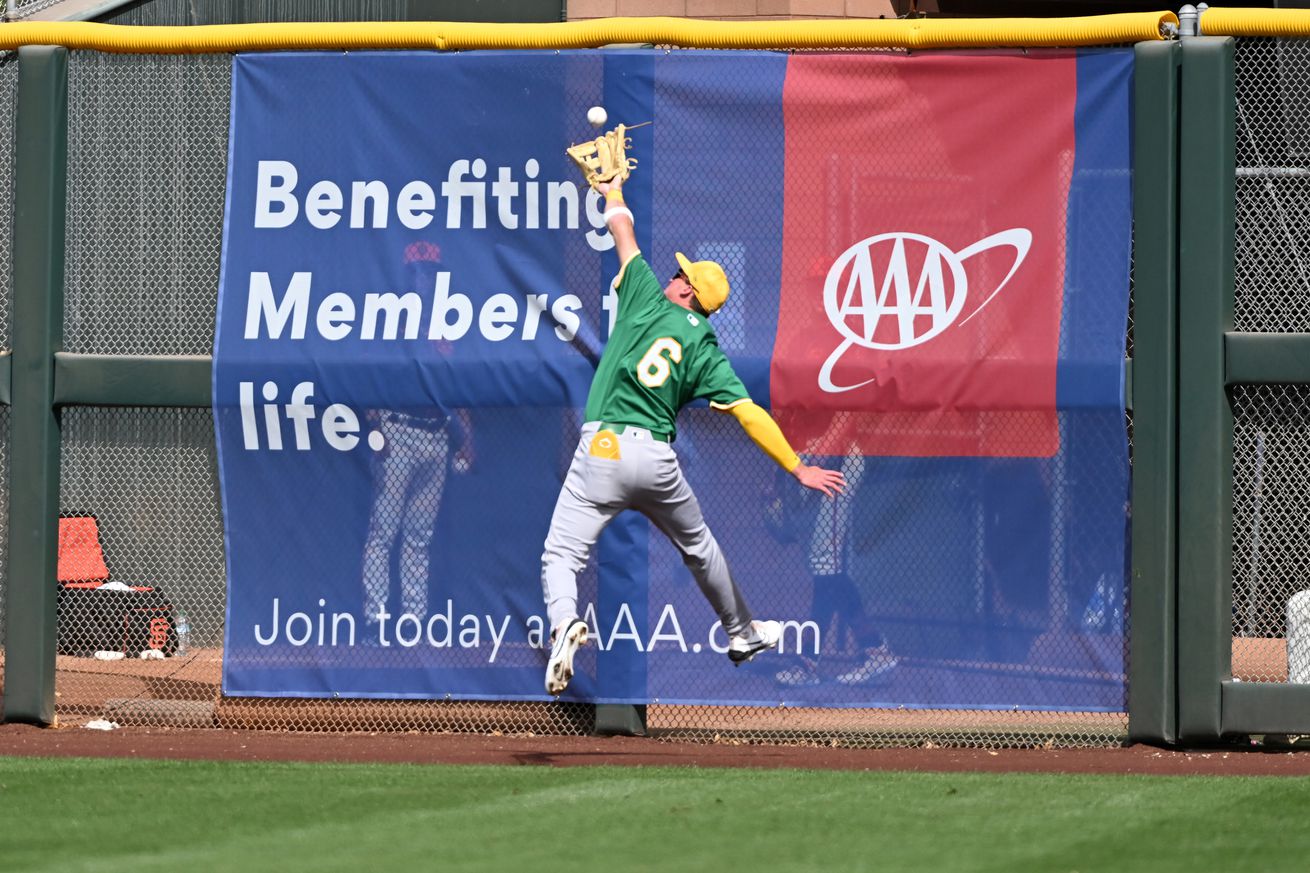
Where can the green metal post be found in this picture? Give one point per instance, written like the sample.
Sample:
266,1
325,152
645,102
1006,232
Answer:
1205,418
39,171
1152,717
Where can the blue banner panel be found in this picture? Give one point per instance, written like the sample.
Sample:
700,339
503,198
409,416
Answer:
415,296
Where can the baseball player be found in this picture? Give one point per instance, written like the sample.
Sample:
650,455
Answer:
661,355
835,600
409,479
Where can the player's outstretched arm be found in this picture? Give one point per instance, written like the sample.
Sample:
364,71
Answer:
766,434
618,218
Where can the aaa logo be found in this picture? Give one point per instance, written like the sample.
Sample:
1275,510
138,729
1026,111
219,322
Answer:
872,302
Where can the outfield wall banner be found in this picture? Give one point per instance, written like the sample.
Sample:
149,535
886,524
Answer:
929,257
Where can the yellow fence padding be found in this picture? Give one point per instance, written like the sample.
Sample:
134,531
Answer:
1256,22
920,33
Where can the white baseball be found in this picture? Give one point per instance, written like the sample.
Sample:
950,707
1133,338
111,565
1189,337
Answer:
597,115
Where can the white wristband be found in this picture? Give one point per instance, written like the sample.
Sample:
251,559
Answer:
616,211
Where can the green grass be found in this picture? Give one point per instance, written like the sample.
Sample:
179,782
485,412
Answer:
133,815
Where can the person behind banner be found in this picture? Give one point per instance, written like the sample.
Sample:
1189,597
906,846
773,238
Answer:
409,479
825,530
661,355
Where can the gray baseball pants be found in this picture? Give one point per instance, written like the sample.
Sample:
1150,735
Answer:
647,478
829,546
406,502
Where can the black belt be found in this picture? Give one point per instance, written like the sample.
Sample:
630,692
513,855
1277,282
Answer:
431,425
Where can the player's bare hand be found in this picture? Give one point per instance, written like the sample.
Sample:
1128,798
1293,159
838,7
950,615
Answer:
830,482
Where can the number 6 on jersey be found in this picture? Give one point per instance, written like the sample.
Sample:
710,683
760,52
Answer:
653,369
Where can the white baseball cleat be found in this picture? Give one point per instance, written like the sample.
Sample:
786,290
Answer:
564,645
877,666
760,635
799,676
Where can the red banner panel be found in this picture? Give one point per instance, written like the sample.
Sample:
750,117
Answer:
924,253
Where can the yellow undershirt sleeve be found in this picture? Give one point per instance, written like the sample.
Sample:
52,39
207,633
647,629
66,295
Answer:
766,434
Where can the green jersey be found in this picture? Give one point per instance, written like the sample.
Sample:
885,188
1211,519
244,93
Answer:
659,358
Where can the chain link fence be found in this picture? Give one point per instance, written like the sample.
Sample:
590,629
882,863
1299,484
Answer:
969,621
8,109
146,187
1271,561
31,7
176,13
181,13
1272,150
1271,433
147,173
200,12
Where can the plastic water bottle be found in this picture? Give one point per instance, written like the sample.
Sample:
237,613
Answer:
183,628
1094,616
1105,609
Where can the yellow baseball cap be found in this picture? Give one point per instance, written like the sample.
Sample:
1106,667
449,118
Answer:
707,279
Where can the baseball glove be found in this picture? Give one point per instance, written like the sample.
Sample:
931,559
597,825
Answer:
604,158
788,511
